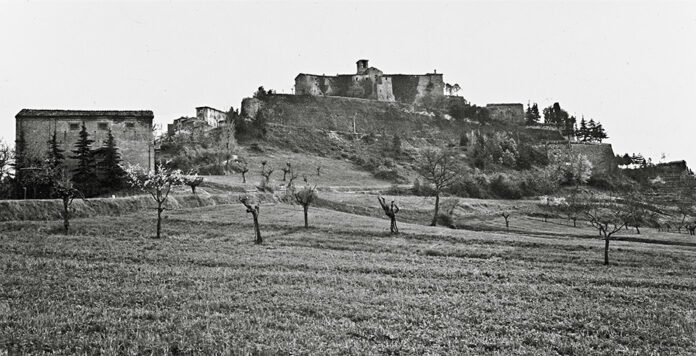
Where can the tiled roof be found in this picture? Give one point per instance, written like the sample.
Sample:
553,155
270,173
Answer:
28,113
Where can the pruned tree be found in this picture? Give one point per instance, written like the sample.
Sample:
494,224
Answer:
64,190
604,216
506,216
287,169
390,210
293,176
244,169
440,168
158,184
266,171
319,170
306,197
253,209
193,182
635,211
574,205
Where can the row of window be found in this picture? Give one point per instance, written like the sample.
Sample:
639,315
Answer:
102,126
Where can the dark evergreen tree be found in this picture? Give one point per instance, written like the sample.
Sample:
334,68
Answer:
591,130
583,133
532,114
55,153
600,133
84,175
113,174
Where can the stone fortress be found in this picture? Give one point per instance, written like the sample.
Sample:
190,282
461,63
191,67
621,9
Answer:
371,83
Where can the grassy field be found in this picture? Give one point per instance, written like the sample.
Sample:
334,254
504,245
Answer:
343,286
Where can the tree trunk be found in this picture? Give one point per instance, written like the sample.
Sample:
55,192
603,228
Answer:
393,228
243,177
259,240
305,208
637,230
575,222
507,223
66,217
437,208
193,189
606,251
159,220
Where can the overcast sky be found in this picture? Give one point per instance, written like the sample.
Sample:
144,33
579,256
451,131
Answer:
630,65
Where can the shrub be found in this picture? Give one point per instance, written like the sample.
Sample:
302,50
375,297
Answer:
506,189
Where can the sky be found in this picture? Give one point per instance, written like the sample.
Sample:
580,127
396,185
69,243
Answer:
628,64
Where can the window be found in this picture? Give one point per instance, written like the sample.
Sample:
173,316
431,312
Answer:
74,127
103,126
130,125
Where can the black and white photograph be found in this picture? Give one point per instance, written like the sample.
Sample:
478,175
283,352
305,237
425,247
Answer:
506,177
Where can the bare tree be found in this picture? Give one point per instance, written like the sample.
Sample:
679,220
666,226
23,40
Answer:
287,169
319,170
293,176
266,172
604,217
506,216
158,183
305,197
253,209
390,210
440,168
63,189
244,170
5,159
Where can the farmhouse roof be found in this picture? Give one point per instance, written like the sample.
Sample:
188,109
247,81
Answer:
32,113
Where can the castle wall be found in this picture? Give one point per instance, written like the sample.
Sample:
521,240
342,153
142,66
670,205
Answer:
372,84
601,155
506,112
133,136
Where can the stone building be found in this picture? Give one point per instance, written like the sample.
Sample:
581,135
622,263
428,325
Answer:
506,112
371,83
206,118
132,131
212,116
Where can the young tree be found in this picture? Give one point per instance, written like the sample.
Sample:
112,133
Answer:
305,197
574,206
253,209
63,189
158,184
193,182
635,211
599,133
319,170
506,216
84,174
287,169
390,210
266,172
113,174
440,168
604,216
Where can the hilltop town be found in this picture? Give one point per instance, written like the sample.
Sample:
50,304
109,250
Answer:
356,186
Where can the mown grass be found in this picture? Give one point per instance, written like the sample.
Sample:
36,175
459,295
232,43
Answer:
343,286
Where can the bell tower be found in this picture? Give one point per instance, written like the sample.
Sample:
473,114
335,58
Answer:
362,65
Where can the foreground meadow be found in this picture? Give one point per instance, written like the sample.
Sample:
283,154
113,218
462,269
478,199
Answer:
343,286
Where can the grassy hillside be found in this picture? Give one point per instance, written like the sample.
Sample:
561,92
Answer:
342,286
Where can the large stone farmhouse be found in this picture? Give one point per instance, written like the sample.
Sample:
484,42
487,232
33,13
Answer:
132,131
370,83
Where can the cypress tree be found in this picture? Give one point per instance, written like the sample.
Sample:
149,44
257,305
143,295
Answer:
583,134
84,174
591,130
113,173
55,153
